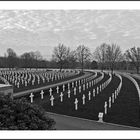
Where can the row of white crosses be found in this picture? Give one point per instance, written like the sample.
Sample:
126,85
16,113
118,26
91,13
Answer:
89,93
111,99
87,85
74,90
23,78
94,92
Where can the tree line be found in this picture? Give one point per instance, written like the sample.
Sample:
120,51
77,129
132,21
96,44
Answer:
105,56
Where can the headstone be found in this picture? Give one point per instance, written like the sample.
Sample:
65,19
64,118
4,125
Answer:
25,83
57,89
105,108
18,85
31,96
50,91
61,97
92,82
112,97
74,91
76,83
87,86
83,86
79,82
72,84
52,99
79,89
76,104
68,86
100,116
32,82
83,98
42,93
97,90
89,96
63,88
93,92
115,94
109,102
68,93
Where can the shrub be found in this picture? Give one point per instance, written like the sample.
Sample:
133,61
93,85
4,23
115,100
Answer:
21,115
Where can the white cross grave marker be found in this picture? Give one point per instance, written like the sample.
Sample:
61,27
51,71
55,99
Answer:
93,92
92,83
105,108
74,91
115,94
18,85
25,83
109,102
76,104
79,82
83,86
63,87
68,93
97,90
89,96
52,99
57,89
83,99
61,97
87,85
31,96
72,84
68,86
50,91
76,83
112,97
42,93
79,89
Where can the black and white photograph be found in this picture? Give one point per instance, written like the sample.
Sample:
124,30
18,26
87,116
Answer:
69,69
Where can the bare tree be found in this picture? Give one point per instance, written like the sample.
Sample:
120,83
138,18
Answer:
11,58
71,59
11,53
60,54
83,55
133,55
38,56
100,55
113,55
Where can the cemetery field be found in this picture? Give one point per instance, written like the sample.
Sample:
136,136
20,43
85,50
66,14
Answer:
123,110
92,95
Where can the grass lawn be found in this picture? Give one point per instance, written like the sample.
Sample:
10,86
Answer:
124,111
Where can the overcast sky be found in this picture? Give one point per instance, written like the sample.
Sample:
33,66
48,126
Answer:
26,31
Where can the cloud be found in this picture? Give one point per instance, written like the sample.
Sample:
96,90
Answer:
33,29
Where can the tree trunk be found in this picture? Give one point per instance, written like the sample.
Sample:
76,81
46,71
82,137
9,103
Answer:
112,68
82,65
61,66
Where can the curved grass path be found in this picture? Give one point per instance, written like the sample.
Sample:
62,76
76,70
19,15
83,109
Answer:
126,108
